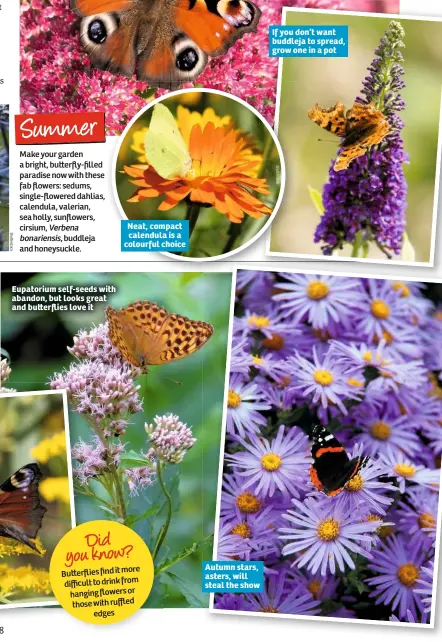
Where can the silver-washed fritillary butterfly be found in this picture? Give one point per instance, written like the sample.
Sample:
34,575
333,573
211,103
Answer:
147,335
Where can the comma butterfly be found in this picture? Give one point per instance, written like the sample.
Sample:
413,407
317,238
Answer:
147,335
360,128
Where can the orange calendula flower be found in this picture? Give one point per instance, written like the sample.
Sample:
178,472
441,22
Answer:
223,175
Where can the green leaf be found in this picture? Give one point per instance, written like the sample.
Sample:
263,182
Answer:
317,199
133,459
133,519
190,591
408,252
196,546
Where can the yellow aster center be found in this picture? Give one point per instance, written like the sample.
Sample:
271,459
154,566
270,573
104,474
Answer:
243,530
438,315
323,377
328,530
372,517
233,399
284,381
356,383
426,520
380,430
269,609
271,461
400,286
380,309
355,484
314,587
258,322
367,356
322,335
408,574
386,531
275,342
388,337
317,290
248,503
405,470
257,361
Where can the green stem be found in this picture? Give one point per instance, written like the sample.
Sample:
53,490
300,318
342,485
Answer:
165,526
120,503
234,232
192,214
357,245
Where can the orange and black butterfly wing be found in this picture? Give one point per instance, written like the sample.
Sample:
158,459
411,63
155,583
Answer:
164,42
331,468
366,126
333,120
21,512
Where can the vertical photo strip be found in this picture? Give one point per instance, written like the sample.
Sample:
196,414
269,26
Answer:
36,492
332,446
362,163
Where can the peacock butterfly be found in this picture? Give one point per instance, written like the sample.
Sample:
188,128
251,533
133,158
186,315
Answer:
21,512
162,42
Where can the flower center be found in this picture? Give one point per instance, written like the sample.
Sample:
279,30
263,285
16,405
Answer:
275,342
233,399
323,335
355,484
356,383
408,574
269,609
257,361
400,286
367,356
248,503
317,290
380,430
380,309
284,381
405,470
328,530
243,530
323,377
426,520
271,461
258,322
386,531
314,587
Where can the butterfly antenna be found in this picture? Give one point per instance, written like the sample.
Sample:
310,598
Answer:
178,383
326,140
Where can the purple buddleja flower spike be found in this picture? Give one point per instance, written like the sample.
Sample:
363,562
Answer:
366,202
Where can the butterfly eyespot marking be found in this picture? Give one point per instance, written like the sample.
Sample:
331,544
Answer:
189,58
237,13
95,30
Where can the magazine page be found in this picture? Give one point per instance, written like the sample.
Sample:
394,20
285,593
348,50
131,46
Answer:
220,317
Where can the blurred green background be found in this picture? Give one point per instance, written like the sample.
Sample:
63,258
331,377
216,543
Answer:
36,343
212,229
25,422
306,81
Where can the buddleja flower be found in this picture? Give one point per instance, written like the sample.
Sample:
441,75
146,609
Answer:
368,198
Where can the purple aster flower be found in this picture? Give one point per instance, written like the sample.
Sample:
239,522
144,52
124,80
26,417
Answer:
268,323
319,299
407,472
325,381
425,582
237,501
320,588
231,545
276,599
343,612
382,311
417,514
408,618
382,430
366,202
270,366
244,401
358,355
325,534
280,464
258,532
240,357
231,602
397,564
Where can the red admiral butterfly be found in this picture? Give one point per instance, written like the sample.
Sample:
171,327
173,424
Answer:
21,512
332,468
